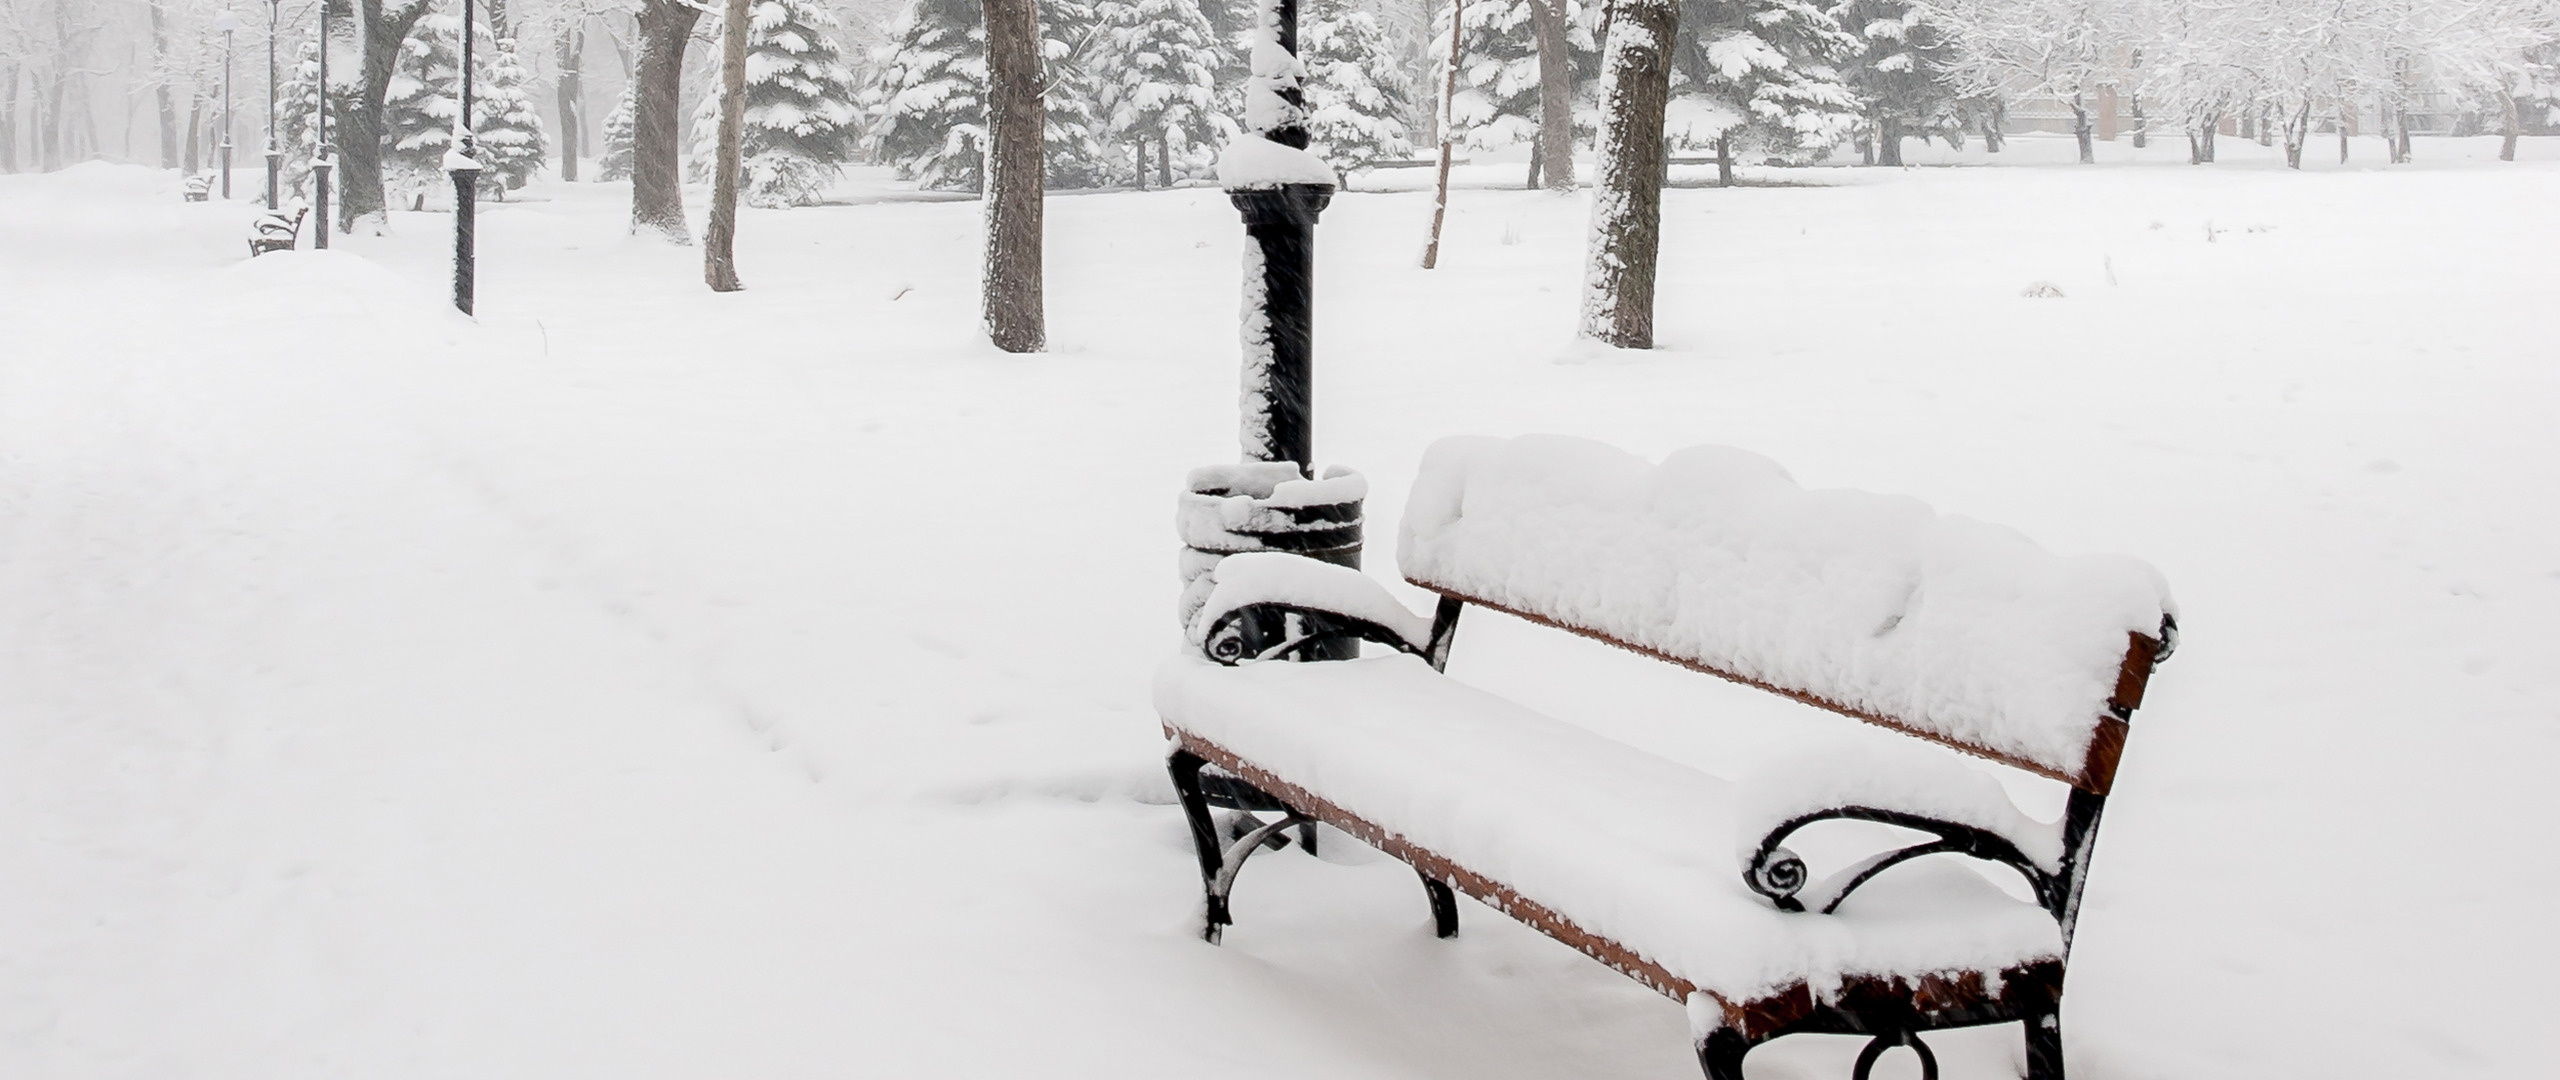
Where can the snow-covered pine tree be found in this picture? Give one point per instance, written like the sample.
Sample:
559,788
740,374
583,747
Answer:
297,103
615,162
927,104
1898,68
1770,65
1076,134
420,103
1157,63
503,123
802,107
1358,92
1498,102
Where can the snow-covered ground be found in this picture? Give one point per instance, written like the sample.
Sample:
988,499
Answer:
640,682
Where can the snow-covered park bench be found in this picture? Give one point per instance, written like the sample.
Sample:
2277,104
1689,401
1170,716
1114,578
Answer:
1951,630
198,188
276,230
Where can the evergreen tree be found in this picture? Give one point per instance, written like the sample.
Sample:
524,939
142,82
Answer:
1159,62
615,162
1772,64
503,123
1898,69
928,102
1497,103
802,105
1076,132
297,103
1358,92
420,103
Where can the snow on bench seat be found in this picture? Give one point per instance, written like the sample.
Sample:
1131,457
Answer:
1943,626
1629,847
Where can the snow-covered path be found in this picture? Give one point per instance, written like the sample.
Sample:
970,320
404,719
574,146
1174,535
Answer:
639,682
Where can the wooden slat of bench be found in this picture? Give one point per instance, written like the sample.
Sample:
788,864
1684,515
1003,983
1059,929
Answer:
2106,741
1954,997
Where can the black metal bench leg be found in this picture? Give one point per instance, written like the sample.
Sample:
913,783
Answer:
1721,1054
2044,1047
1185,767
1444,906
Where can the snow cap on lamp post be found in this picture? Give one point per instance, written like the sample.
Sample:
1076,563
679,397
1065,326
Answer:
1280,188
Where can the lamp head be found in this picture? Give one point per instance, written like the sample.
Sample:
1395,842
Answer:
225,21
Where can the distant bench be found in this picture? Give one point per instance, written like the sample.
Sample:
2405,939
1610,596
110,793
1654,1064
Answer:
1958,632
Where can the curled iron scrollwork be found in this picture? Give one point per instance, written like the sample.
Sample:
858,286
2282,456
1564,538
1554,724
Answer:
1775,872
1280,631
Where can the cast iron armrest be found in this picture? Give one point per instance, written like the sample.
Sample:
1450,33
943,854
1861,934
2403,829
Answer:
1777,873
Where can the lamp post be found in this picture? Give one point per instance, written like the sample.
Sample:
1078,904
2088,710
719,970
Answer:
275,154
321,162
226,22
1280,188
458,160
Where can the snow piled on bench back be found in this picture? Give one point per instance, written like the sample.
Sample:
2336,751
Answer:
1876,602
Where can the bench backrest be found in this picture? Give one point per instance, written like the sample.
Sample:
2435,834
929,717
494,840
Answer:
1875,606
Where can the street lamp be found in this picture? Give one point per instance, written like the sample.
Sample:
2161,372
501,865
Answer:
459,161
321,162
226,22
275,154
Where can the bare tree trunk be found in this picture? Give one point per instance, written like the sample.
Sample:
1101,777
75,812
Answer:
1724,158
1626,214
2342,136
2297,131
657,184
1537,162
1448,95
1889,142
2510,124
2400,136
720,236
8,117
2212,126
2080,131
160,89
360,136
2141,125
194,155
1010,299
572,99
1164,162
1555,93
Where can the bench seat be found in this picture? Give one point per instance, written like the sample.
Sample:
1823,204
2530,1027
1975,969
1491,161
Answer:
1629,857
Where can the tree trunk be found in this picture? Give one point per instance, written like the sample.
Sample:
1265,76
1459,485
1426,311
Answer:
8,117
1164,162
2511,124
720,236
1724,158
2400,136
2342,137
160,89
657,183
2080,131
385,24
1889,142
2297,131
1555,93
1448,95
1626,218
1992,138
2141,125
1537,159
193,162
572,98
1010,297
2212,125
